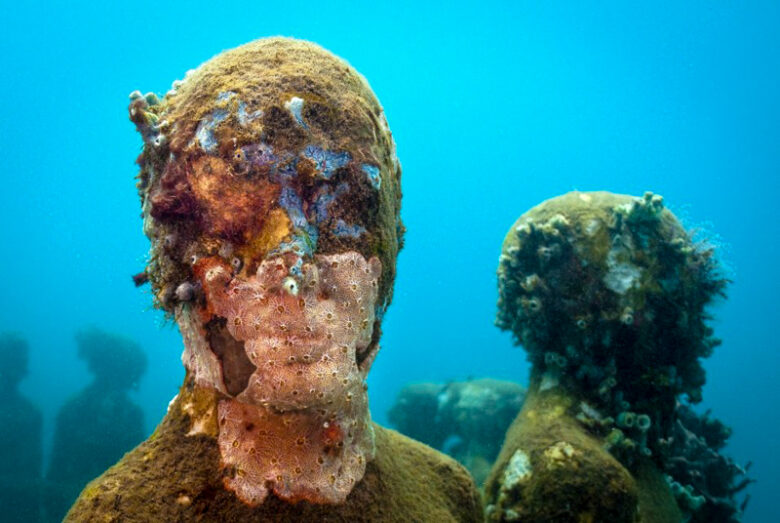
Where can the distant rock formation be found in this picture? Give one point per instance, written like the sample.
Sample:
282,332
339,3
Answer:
466,419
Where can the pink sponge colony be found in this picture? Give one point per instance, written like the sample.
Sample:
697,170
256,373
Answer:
301,424
321,464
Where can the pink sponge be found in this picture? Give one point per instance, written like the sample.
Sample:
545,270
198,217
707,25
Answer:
301,426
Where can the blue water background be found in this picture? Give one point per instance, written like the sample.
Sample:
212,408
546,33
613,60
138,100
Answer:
494,106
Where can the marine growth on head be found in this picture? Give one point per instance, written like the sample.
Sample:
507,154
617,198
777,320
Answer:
607,293
271,194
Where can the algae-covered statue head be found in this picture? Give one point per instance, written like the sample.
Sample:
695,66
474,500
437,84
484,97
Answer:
607,293
271,194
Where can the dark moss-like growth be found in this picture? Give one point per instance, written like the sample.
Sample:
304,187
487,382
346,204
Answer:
704,481
586,276
608,293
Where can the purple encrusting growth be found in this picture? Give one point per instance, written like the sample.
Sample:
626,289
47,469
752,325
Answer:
324,199
146,121
259,155
304,237
291,203
304,234
283,169
374,175
224,96
326,162
349,230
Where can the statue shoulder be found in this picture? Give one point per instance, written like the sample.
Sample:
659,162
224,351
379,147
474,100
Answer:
175,477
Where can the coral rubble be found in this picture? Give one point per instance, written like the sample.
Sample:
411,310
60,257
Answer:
607,294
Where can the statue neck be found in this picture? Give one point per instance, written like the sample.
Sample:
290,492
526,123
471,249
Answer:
301,454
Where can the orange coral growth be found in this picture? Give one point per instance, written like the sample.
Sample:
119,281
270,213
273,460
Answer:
217,272
332,434
275,229
234,205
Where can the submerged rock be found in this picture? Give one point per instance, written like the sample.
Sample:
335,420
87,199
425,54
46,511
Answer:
467,419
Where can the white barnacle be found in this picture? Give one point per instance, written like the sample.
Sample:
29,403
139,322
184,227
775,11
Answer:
290,285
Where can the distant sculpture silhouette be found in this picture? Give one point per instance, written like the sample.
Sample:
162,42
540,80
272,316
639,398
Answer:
96,427
20,437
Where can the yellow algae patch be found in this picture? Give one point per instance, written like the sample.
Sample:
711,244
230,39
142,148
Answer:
200,406
560,452
275,230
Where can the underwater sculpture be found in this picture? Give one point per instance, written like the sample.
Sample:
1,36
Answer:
98,425
465,419
20,436
607,294
271,194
